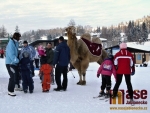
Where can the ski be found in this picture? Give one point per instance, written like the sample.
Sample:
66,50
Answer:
102,98
106,99
96,97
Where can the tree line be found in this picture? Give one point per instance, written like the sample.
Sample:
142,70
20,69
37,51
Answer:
135,31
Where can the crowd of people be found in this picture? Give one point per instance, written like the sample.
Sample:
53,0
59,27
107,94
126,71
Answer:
46,59
20,65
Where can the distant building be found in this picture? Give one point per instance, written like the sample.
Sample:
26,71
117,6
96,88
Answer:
141,53
3,42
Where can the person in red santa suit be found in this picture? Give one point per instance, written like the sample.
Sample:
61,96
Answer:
124,63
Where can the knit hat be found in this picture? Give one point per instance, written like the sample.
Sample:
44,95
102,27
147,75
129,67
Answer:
111,57
61,38
16,36
43,60
123,46
25,42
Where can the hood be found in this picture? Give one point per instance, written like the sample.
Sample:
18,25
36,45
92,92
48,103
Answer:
124,51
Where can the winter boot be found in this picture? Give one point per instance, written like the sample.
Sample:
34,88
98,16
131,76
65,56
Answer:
107,95
101,93
25,91
31,91
11,94
114,95
132,102
18,88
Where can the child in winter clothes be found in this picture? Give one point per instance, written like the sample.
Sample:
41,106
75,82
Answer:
26,73
106,69
45,72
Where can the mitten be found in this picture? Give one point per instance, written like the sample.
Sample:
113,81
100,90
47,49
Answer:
98,75
133,73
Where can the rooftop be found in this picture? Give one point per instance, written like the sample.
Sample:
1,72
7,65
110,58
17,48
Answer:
78,37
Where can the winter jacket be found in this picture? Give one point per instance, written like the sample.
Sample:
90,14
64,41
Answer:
12,52
62,55
25,64
1,51
107,68
45,69
49,55
124,62
30,50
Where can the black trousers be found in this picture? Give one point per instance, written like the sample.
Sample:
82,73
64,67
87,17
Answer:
12,73
27,80
36,63
128,83
106,82
17,76
2,55
58,71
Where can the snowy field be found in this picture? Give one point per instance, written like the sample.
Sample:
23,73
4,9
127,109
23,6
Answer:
77,99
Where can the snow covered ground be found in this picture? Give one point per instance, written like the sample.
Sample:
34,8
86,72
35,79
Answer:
77,99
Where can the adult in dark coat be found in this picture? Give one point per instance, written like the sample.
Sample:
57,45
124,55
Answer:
49,56
61,60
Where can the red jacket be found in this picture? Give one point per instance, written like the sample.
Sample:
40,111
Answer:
124,62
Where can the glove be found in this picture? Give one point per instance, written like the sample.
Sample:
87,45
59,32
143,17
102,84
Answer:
133,73
98,75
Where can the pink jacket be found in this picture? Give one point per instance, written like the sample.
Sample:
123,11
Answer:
107,68
41,51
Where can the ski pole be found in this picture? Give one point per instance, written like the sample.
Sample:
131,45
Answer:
72,74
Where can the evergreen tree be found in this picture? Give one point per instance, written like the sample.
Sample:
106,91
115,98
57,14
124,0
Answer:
144,34
49,37
137,32
130,32
17,29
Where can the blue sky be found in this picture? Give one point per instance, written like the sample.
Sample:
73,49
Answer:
46,14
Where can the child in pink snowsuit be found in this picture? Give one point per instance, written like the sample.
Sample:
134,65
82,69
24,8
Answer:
106,69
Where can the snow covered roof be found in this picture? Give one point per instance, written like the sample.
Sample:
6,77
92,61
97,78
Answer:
3,38
78,37
43,38
137,46
122,34
147,43
95,34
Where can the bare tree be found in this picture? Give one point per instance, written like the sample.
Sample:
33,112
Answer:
72,23
3,32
